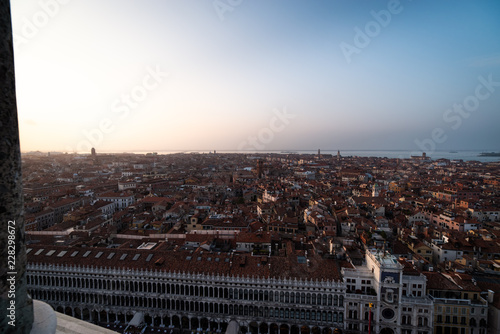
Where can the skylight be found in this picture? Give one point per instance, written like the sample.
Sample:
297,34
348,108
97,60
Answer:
62,253
50,252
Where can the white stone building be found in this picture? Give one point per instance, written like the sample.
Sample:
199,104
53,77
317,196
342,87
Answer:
398,300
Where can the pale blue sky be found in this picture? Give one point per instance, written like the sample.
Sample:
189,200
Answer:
229,72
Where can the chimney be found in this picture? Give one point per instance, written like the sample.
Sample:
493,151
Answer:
491,295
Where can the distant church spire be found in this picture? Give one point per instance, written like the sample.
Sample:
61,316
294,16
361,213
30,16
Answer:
259,168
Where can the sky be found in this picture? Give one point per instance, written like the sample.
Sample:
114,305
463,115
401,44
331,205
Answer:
238,75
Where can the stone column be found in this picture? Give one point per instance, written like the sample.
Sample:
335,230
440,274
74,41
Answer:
11,200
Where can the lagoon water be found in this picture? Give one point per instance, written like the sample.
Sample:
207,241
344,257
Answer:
459,155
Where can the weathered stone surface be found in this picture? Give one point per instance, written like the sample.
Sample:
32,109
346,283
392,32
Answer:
45,319
11,204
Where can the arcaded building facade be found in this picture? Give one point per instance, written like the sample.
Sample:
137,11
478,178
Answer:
77,283
294,292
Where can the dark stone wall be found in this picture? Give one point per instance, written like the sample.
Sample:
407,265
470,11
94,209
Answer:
11,200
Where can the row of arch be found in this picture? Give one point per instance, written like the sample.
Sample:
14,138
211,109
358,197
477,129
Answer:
57,297
305,298
455,330
106,319
472,321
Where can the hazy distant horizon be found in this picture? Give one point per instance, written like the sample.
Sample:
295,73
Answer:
465,155
315,151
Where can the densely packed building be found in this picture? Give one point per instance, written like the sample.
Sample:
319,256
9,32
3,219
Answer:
288,243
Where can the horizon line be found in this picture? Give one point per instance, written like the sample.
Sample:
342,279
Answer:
275,150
